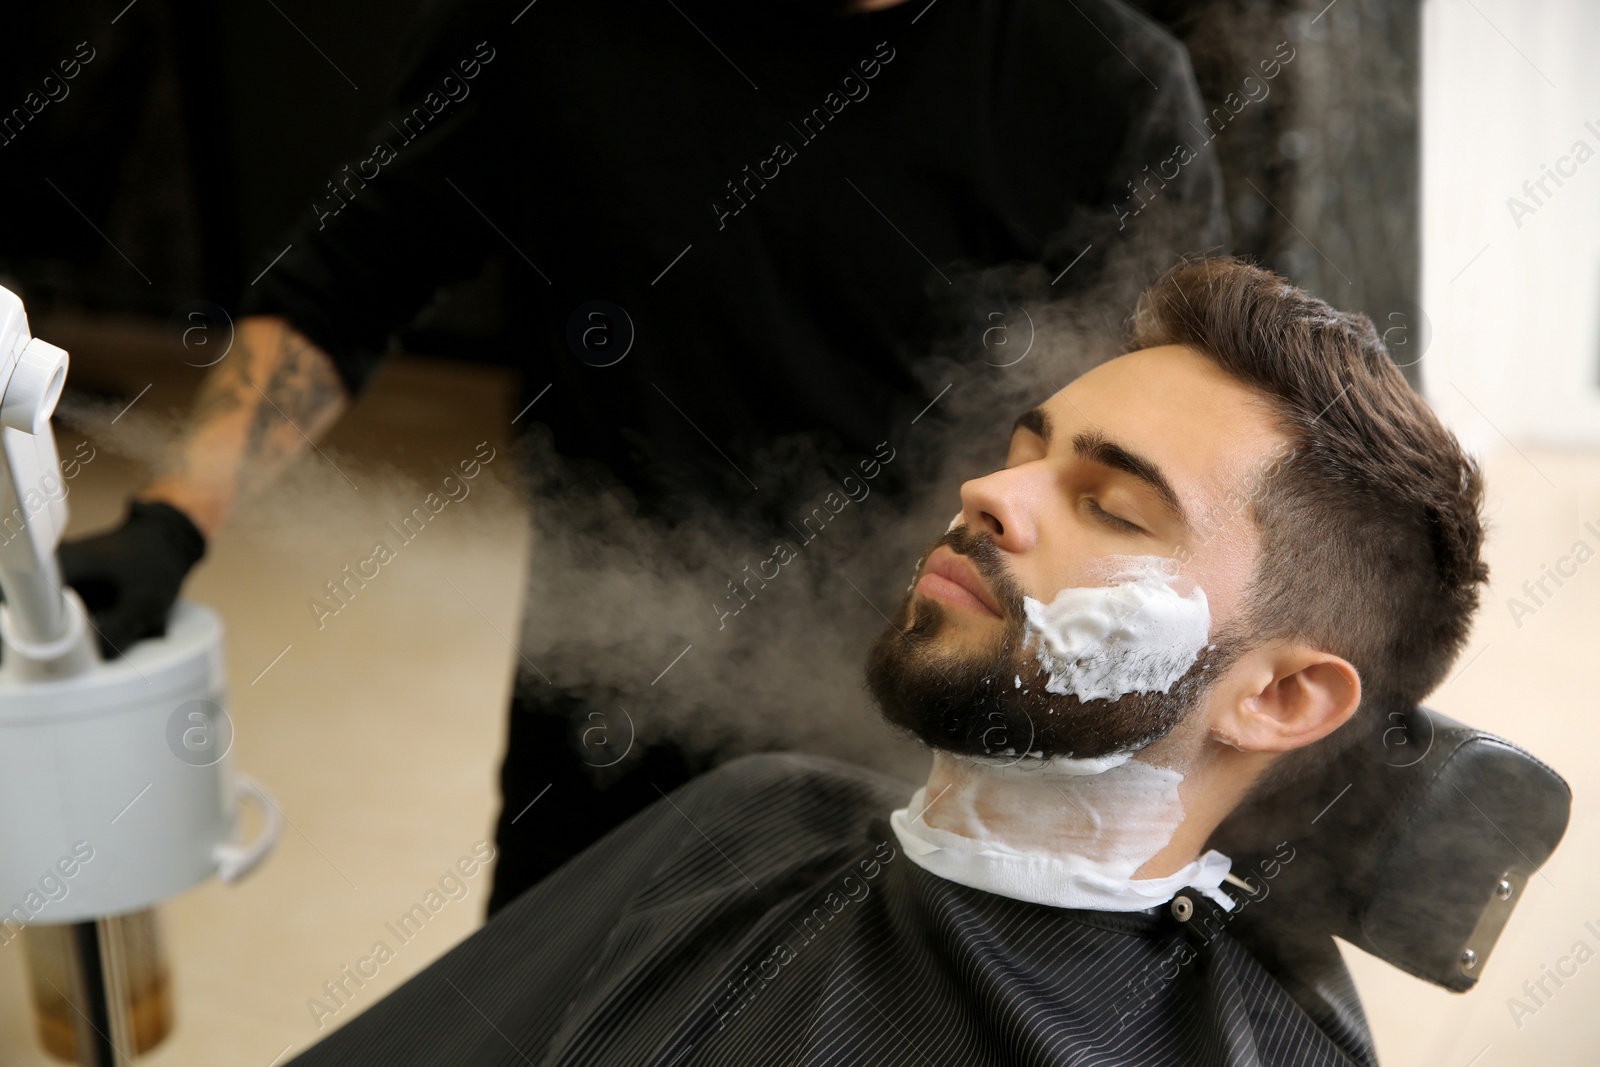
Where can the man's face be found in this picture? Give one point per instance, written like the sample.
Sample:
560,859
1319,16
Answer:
1154,454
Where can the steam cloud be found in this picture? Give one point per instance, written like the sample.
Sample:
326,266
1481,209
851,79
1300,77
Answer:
614,600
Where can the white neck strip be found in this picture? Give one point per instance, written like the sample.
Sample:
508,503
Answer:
1062,881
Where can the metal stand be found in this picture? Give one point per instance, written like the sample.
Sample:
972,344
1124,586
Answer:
101,1025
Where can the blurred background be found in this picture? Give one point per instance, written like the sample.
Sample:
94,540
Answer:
1388,172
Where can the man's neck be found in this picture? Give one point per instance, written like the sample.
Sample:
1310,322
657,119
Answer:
1130,817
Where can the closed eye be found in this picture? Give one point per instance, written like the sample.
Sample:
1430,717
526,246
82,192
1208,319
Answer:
1114,521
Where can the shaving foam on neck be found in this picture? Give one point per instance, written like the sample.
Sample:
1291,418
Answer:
1136,635
1064,832
1110,814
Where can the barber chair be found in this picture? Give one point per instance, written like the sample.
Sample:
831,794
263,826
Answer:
1414,845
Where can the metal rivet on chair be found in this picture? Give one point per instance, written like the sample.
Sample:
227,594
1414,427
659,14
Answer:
1469,960
1503,890
1182,908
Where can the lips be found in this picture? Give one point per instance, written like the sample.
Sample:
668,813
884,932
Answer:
953,578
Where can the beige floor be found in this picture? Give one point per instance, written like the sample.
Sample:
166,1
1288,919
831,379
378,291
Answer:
380,733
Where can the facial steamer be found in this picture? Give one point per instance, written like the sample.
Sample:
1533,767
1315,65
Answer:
116,790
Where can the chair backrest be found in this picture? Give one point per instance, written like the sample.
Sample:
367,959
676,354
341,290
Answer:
1415,845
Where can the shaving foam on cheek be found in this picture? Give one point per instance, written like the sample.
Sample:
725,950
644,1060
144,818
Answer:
1134,636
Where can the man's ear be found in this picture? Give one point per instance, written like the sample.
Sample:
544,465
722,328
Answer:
1283,696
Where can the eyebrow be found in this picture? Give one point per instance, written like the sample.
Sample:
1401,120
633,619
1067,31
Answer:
1097,448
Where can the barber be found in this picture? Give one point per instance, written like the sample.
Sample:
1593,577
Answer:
719,222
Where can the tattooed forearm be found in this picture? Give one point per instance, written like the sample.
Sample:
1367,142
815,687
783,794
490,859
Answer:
303,388
227,388
268,400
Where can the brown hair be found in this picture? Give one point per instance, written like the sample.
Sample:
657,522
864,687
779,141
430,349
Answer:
1371,526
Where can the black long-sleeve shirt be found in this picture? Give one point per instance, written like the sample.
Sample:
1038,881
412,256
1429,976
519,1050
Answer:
765,914
779,199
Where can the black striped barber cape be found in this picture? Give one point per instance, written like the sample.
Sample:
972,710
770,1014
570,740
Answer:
766,914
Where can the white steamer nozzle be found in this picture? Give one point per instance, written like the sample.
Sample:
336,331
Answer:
42,623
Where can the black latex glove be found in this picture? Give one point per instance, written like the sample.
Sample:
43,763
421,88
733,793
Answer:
129,576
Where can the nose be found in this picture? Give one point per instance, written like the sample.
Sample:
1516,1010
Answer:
1002,504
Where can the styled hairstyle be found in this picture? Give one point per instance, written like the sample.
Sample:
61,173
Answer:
1371,526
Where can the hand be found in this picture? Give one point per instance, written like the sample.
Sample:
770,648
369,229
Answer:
129,577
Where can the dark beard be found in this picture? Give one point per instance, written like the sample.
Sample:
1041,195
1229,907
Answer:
971,705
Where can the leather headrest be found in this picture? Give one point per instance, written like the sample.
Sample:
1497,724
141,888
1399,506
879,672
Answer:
1415,845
